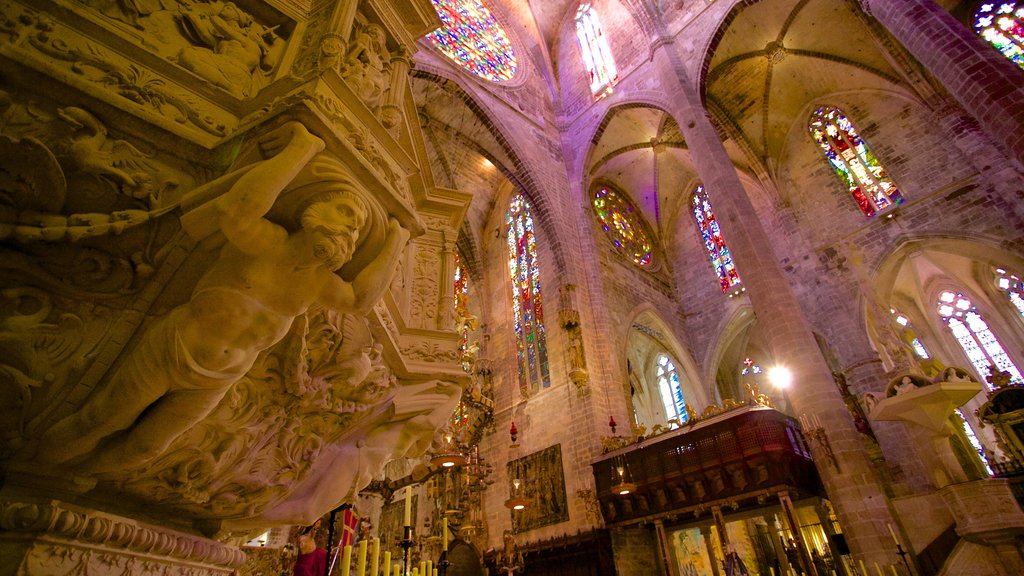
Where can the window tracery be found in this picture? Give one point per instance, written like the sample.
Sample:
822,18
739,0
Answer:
714,242
527,307
671,390
597,56
853,162
974,335
623,224
1012,286
1001,24
473,38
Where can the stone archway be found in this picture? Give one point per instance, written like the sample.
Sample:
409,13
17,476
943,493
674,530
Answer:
465,559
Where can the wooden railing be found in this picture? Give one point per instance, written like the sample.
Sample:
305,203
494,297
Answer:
738,459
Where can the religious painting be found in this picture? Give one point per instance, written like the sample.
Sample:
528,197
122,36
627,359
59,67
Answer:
391,526
691,552
543,483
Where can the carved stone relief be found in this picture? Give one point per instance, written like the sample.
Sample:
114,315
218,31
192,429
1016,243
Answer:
426,273
36,39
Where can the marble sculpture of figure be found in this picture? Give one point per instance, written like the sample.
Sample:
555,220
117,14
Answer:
267,274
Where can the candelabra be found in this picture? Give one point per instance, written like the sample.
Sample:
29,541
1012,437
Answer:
815,433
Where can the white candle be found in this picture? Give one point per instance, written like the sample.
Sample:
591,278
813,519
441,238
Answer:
863,570
772,570
408,506
430,567
878,569
386,564
346,560
444,534
397,571
893,534
894,572
423,568
375,556
361,559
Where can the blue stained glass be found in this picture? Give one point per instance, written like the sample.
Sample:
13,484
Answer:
471,36
714,242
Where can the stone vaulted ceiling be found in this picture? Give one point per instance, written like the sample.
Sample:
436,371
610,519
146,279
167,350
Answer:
779,57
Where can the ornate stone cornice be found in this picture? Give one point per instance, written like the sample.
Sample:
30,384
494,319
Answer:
58,523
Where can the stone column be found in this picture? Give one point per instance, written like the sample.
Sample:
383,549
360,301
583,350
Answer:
446,315
859,499
705,531
668,558
391,110
985,83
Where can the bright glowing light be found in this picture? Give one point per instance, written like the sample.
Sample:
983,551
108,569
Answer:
780,376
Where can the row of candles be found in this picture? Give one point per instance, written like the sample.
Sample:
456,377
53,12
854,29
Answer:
385,568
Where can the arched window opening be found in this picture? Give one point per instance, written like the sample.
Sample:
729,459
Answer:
471,37
975,337
463,319
1011,285
909,335
527,309
973,439
1001,24
597,56
671,391
714,242
854,163
623,225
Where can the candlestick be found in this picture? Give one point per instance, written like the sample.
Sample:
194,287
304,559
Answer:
375,556
406,543
444,533
361,559
346,560
408,506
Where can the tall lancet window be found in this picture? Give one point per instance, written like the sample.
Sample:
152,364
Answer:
853,161
1011,285
527,310
462,316
909,335
597,56
1001,24
671,390
974,336
711,233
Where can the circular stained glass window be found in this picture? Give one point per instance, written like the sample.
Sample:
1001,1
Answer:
471,36
625,227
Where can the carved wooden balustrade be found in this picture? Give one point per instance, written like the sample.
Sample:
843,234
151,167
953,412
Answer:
737,459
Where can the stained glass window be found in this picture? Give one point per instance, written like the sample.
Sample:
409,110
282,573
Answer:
597,56
973,439
853,162
527,311
1012,286
974,336
623,224
671,391
751,368
461,290
711,233
471,36
1001,24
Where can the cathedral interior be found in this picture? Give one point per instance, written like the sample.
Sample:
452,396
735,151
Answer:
536,287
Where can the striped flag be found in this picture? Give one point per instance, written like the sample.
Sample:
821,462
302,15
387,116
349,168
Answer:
349,522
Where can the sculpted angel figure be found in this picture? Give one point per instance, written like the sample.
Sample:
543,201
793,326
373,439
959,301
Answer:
281,258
